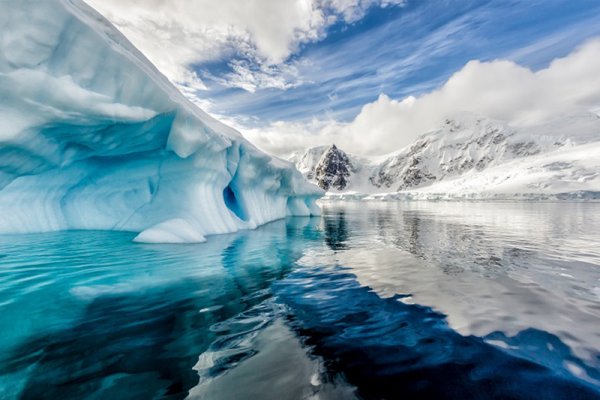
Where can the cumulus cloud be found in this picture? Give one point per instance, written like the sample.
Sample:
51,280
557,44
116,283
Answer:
256,36
498,89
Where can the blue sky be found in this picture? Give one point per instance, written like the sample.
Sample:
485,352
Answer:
370,75
407,50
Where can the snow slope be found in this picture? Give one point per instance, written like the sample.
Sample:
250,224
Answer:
92,136
475,157
570,173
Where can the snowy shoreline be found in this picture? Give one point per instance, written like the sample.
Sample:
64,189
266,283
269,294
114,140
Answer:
578,196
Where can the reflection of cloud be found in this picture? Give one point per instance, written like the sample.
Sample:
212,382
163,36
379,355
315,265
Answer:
487,266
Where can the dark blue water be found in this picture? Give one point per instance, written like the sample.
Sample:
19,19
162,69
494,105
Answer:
397,300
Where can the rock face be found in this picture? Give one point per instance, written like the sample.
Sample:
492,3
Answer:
465,148
333,169
93,136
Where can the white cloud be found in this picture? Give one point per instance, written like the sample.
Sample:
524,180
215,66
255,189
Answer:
252,76
281,138
177,34
498,89
354,10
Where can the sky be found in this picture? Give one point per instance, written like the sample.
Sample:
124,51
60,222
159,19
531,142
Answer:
369,75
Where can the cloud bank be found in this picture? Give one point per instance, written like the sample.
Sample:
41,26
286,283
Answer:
498,89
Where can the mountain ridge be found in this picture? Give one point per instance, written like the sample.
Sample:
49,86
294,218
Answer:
479,155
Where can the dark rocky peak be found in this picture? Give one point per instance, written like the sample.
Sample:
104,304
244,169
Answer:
333,169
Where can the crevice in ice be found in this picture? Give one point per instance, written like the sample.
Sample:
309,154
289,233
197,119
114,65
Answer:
233,204
231,197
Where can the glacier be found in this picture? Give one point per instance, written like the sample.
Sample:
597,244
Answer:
93,136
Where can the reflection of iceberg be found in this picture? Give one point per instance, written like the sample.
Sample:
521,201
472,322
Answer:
94,137
142,342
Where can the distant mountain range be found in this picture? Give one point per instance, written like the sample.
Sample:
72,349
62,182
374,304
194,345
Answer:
470,156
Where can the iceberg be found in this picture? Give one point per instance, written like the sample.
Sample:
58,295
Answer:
93,136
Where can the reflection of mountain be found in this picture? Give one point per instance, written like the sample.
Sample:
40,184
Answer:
430,238
487,266
336,231
389,349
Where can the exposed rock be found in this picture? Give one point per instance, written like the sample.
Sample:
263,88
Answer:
333,169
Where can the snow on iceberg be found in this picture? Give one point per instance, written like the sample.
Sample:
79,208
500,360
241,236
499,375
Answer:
92,136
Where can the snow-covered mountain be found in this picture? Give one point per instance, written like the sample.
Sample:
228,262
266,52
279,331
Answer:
475,157
327,166
92,136
332,169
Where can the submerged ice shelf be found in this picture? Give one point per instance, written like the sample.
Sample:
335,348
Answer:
92,136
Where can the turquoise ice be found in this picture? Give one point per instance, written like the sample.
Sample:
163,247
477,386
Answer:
92,136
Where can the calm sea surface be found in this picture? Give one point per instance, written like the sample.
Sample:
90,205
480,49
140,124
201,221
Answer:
399,300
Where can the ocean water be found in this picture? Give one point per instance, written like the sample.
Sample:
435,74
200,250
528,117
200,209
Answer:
391,300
